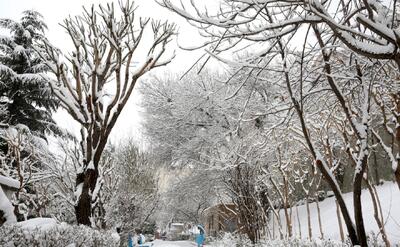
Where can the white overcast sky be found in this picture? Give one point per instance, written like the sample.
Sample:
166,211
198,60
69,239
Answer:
54,11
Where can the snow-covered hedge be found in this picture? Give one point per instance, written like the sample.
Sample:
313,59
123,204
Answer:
58,235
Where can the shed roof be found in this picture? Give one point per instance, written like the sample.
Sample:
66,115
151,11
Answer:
9,182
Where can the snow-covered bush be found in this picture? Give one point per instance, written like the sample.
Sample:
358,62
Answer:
58,235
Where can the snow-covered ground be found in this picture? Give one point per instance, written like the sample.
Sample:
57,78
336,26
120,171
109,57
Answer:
389,196
161,243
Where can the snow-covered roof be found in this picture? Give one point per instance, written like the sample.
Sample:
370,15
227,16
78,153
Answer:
9,182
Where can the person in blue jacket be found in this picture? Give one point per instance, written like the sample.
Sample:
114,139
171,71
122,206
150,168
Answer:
201,237
130,240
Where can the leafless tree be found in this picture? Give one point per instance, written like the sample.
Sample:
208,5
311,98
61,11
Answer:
95,81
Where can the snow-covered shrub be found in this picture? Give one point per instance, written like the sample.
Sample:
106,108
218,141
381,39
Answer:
59,235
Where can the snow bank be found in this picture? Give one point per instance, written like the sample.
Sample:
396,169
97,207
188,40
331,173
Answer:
389,196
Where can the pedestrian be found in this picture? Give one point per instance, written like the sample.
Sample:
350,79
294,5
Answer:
164,236
201,237
142,239
130,240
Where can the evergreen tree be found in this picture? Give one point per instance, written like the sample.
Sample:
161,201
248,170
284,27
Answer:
24,95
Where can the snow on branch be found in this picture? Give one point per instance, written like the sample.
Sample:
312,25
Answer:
368,28
105,41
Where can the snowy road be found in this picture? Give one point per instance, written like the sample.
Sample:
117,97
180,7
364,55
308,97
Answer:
160,243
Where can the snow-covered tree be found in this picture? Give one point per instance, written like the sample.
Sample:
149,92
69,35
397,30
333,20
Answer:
24,94
95,81
133,189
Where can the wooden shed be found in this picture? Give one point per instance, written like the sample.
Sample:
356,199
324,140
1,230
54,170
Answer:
9,186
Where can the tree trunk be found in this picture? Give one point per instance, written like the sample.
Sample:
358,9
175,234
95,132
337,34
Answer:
376,170
319,220
308,219
273,227
343,208
358,216
298,220
379,220
339,221
278,219
397,104
397,175
286,207
87,181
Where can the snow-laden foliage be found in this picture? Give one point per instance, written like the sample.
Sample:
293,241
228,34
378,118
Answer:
61,234
25,95
368,28
196,120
